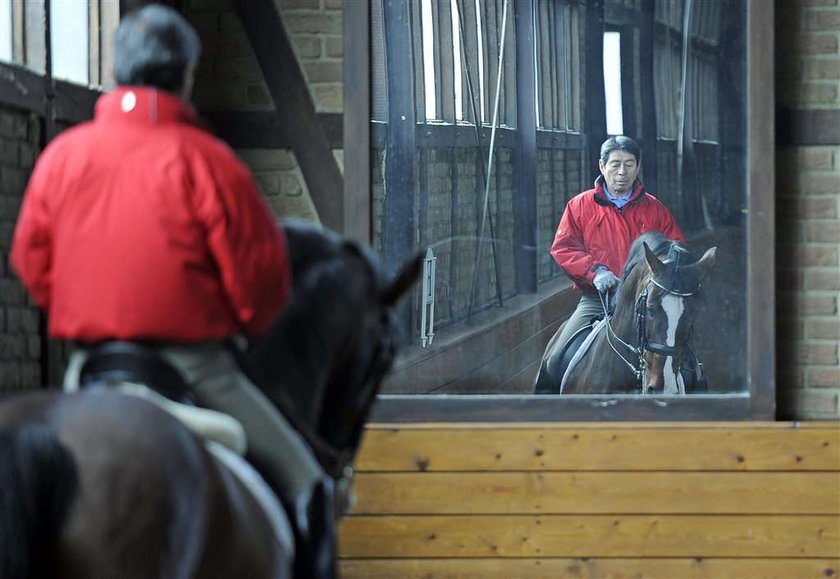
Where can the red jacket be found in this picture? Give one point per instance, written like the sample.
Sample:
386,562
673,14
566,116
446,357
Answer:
594,232
140,225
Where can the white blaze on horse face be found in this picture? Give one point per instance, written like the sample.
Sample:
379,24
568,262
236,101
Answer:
674,308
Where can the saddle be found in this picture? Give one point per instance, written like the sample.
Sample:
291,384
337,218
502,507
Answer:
139,370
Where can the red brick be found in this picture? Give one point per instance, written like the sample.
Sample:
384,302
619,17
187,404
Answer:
828,231
307,46
816,44
823,378
812,404
823,329
802,93
335,46
816,353
822,280
807,305
810,256
818,182
816,157
808,207
821,20
819,69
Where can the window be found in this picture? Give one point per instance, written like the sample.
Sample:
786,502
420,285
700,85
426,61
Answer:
612,83
6,46
69,40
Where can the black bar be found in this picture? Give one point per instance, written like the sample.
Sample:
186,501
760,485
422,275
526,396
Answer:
398,226
525,198
647,132
356,121
596,114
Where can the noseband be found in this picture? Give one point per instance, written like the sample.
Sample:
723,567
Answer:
643,344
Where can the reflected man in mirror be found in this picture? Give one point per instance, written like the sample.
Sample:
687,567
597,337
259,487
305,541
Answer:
599,225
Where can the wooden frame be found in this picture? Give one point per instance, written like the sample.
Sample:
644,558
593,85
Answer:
758,399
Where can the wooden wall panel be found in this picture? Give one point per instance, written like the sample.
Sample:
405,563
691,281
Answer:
642,500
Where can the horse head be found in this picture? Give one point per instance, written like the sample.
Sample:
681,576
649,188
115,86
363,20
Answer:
324,360
666,304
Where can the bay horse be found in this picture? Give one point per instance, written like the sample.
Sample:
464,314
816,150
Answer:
98,484
640,348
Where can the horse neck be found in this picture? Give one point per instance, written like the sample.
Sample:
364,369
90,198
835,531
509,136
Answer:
624,316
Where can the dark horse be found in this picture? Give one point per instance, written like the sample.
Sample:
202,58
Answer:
98,484
641,348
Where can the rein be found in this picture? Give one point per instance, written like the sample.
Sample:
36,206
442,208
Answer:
639,369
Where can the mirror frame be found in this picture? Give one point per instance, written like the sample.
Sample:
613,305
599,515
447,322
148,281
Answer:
757,402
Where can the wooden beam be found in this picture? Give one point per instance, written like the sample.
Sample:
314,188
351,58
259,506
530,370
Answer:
286,83
22,89
596,115
266,129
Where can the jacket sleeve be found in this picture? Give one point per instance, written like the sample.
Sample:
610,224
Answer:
31,254
247,244
569,251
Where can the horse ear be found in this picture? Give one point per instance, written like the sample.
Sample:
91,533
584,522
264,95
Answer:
705,263
407,276
655,265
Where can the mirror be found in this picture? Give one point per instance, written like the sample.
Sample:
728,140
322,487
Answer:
487,118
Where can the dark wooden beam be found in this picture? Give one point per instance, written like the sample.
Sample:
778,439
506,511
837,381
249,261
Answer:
801,127
23,89
525,201
356,121
646,134
282,72
265,129
595,117
398,226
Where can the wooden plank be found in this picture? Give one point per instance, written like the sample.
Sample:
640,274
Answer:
587,568
674,447
504,536
598,493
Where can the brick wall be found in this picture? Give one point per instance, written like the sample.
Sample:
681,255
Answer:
229,79
808,210
20,343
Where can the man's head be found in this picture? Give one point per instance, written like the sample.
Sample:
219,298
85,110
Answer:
157,47
620,163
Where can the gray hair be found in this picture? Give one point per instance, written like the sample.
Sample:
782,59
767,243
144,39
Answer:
620,143
153,47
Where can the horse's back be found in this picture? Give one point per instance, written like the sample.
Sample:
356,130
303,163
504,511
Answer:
151,500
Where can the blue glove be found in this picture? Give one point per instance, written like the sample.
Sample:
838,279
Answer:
604,279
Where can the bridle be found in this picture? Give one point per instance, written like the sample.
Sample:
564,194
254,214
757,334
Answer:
643,344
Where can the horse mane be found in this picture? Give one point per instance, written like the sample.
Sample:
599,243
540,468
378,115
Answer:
681,270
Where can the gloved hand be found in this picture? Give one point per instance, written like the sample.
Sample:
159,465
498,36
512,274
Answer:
604,279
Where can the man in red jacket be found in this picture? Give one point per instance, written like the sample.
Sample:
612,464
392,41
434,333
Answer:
599,225
141,226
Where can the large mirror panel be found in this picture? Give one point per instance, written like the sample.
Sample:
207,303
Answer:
487,120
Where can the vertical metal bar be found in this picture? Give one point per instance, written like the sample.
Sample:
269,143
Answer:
525,197
398,227
357,113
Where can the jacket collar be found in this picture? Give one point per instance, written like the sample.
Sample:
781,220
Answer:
601,198
145,105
